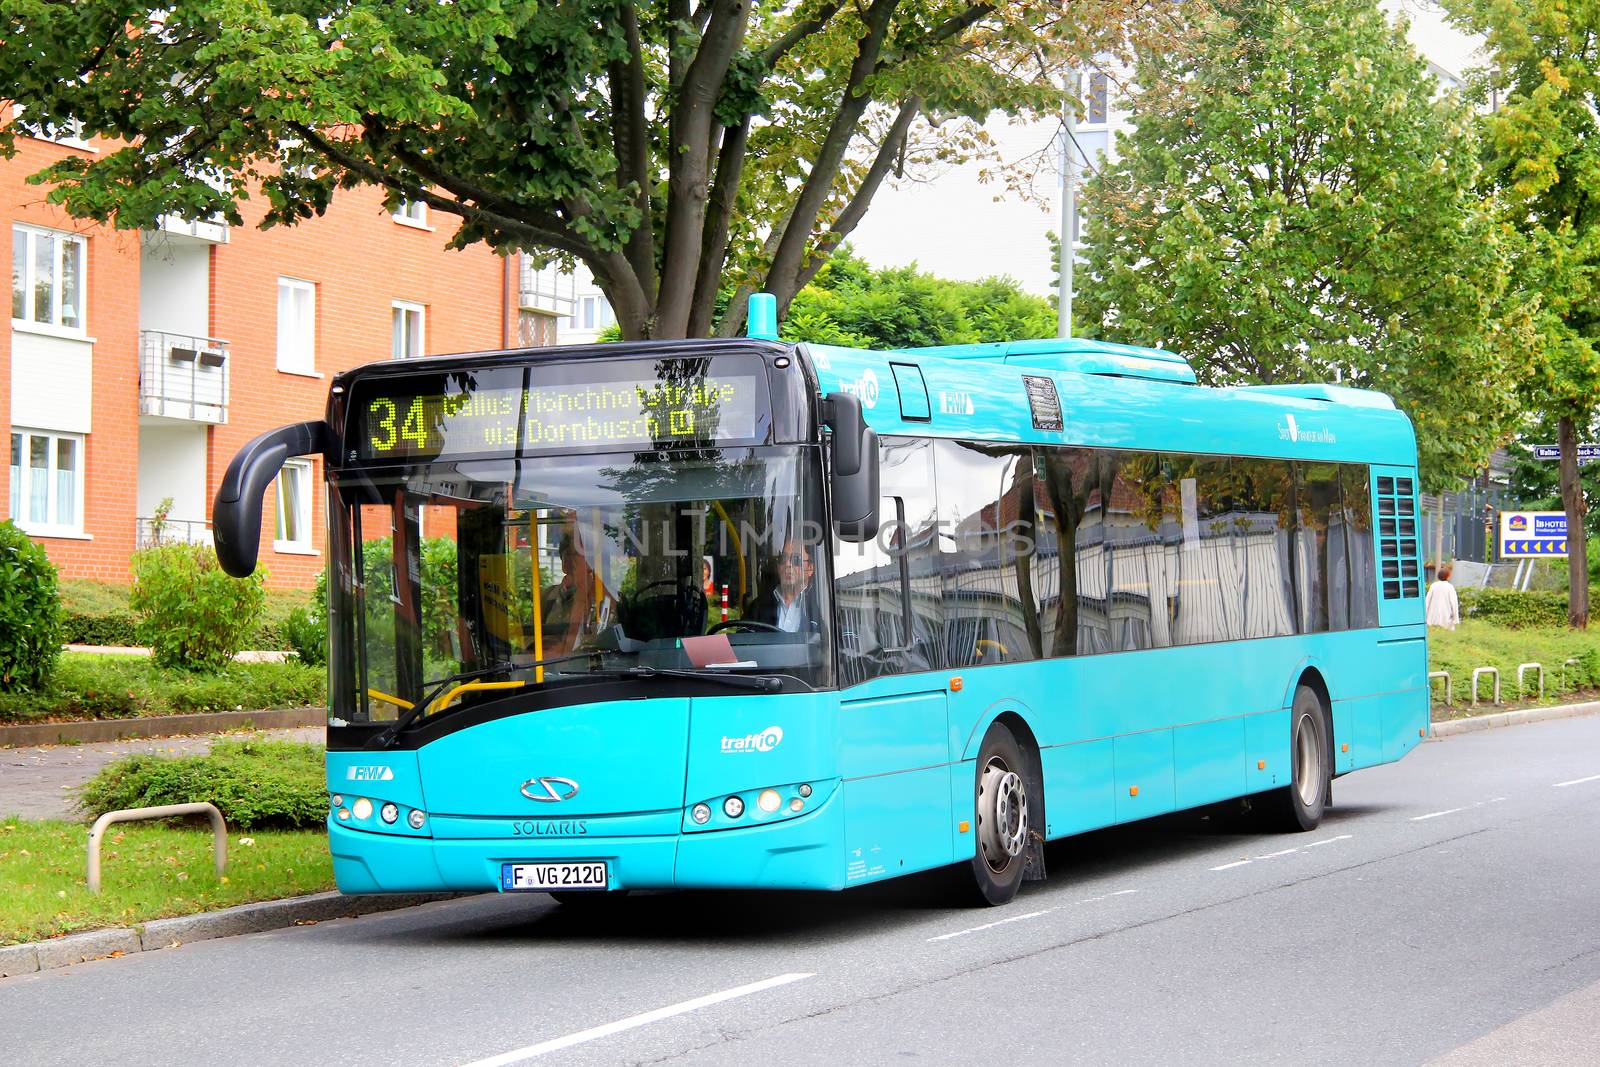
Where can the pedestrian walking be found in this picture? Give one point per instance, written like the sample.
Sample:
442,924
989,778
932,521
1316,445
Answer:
1443,607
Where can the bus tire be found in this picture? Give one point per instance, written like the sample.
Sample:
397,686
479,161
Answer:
1299,805
1002,830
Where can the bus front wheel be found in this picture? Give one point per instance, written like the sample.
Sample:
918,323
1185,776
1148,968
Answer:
1001,848
1299,805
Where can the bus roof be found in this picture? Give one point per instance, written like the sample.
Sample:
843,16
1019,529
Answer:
1095,393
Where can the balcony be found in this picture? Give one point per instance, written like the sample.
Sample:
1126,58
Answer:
183,377
212,231
546,290
160,531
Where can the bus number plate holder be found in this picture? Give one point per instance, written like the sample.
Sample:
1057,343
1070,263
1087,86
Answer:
543,877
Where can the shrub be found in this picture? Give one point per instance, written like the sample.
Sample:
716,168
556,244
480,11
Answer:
117,629
266,784
87,686
1514,610
30,613
307,634
191,614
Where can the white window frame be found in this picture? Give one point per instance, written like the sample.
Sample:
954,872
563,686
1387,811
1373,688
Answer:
26,238
1097,97
297,349
412,213
301,506
21,488
69,135
404,335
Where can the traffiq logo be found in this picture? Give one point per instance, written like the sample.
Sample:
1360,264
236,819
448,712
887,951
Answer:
761,741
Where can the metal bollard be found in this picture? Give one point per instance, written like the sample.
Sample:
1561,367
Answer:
219,831
1562,679
1477,672
1449,693
1522,669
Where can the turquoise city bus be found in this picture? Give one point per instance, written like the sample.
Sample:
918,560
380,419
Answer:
742,613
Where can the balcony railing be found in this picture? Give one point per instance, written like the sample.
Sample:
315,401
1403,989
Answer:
152,532
182,376
548,290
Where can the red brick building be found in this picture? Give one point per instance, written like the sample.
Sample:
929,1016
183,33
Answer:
138,362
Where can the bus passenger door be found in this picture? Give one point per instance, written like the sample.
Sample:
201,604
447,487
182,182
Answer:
893,719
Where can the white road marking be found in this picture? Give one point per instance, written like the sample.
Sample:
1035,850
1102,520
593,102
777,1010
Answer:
1436,814
632,1021
1577,781
991,926
1230,866
1028,915
1275,855
1329,840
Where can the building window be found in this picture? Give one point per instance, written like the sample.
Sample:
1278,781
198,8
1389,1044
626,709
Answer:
47,481
297,326
411,212
47,277
407,337
1099,98
294,506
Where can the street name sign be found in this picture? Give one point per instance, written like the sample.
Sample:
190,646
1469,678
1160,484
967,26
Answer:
1527,534
1552,452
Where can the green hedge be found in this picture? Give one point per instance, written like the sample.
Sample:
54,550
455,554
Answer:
30,613
1514,610
89,686
255,784
97,613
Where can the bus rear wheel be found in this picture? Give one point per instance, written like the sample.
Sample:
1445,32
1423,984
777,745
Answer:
1299,805
1003,827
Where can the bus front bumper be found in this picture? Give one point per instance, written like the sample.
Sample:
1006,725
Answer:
805,852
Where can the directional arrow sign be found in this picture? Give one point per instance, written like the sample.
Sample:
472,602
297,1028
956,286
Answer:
1525,534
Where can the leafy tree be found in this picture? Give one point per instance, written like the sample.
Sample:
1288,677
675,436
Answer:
1297,202
1543,152
665,145
849,303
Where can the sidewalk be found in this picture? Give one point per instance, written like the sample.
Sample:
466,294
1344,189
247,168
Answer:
40,782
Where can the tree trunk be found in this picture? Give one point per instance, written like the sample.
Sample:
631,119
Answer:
1577,540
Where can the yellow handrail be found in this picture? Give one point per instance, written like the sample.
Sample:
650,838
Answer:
472,687
388,699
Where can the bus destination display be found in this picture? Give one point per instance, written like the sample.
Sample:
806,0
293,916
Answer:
619,413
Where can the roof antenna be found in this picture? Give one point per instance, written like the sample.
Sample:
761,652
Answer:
762,321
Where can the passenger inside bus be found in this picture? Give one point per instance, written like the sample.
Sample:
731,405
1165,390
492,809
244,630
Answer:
567,608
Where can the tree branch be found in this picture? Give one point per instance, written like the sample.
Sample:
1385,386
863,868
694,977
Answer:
714,245
774,52
632,145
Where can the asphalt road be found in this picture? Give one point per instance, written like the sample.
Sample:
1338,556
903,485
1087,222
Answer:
1448,907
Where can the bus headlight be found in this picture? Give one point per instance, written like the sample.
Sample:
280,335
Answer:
362,808
733,807
701,813
389,813
416,819
769,801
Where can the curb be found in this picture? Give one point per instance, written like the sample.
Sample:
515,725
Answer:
1451,727
209,722
171,933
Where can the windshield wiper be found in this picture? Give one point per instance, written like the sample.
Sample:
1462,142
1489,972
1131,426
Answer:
765,683
440,685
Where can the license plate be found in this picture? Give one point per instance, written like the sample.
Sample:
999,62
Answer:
543,877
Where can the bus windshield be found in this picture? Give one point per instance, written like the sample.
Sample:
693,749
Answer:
468,575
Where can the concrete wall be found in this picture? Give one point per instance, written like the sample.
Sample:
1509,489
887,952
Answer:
175,285
172,462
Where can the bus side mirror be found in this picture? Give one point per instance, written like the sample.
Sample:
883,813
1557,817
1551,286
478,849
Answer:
236,512
854,468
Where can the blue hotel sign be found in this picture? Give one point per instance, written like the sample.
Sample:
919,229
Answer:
1525,534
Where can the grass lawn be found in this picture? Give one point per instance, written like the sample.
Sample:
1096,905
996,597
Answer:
147,871
109,600
87,686
1481,644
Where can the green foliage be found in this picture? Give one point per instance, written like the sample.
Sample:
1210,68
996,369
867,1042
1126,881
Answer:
273,784
1482,644
439,592
1514,610
307,634
30,616
851,304
191,614
88,686
667,150
149,871
1297,202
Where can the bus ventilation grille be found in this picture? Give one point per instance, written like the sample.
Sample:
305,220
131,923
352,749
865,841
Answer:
1397,537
